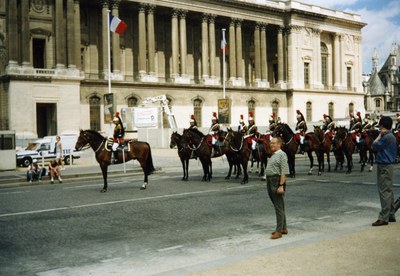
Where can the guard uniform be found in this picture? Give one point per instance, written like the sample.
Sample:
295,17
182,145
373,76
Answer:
118,135
214,132
252,131
242,128
301,126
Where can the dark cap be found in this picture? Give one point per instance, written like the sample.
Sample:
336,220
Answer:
386,122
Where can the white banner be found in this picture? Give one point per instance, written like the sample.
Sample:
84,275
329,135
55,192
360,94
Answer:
146,117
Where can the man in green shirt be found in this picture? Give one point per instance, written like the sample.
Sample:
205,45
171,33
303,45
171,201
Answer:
277,168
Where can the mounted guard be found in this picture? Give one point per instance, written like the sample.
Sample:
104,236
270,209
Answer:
367,124
272,125
192,122
301,127
242,128
356,128
252,132
214,131
328,125
118,136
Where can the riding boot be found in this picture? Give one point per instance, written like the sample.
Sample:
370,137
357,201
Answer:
113,157
216,150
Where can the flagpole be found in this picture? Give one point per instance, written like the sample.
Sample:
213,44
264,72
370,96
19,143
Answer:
108,51
223,64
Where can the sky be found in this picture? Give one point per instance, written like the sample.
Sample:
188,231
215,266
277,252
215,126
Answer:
383,29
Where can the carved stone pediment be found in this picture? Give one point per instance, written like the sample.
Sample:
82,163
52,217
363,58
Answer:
307,58
40,31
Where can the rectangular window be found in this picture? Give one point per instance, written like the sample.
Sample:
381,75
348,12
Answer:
324,70
349,84
306,75
38,52
197,115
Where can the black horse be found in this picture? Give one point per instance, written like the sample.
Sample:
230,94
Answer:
240,152
290,146
135,150
184,152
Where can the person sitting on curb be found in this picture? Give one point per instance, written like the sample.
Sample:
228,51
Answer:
54,169
35,172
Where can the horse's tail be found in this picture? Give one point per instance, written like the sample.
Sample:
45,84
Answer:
149,162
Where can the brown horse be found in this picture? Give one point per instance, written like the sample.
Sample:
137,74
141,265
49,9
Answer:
264,152
290,146
184,153
241,151
337,148
367,138
325,147
102,148
345,141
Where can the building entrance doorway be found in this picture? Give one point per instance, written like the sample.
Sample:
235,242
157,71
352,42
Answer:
46,119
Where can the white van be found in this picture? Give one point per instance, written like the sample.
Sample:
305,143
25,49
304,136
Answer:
45,148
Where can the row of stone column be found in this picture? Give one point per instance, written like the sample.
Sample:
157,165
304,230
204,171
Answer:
66,48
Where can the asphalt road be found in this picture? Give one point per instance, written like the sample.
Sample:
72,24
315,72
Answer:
173,227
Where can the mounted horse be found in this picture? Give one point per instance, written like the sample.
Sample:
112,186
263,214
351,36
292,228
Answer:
290,146
326,145
263,151
184,153
102,148
201,144
337,144
241,149
347,143
366,140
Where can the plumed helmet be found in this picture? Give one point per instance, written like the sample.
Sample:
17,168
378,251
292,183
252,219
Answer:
251,117
192,119
214,116
241,118
272,117
325,116
299,115
116,118
398,115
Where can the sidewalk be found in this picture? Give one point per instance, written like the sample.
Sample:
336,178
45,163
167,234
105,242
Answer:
372,251
87,166
364,251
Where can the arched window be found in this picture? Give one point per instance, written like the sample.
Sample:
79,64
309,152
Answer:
275,108
197,105
331,110
377,103
324,64
351,108
165,117
132,101
251,106
94,108
309,111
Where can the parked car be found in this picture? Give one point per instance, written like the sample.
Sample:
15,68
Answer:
44,147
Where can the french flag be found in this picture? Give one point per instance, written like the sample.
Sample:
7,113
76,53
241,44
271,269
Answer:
224,45
117,25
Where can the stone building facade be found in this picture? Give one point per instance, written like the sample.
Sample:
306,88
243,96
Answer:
282,56
383,85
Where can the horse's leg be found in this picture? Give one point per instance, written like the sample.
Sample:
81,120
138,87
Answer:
362,158
309,153
210,175
349,162
183,161
371,160
245,175
291,161
142,162
187,169
230,169
104,169
328,158
320,157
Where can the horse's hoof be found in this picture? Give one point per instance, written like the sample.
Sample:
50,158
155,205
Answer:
227,177
183,179
143,186
319,173
103,190
370,169
309,173
243,182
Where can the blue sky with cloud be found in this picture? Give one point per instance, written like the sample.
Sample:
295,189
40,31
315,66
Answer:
383,29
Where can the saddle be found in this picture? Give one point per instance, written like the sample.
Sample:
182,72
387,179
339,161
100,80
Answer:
124,145
329,136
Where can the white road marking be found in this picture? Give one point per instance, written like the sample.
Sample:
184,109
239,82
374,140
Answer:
8,193
351,212
115,202
369,183
322,180
170,248
369,204
324,217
